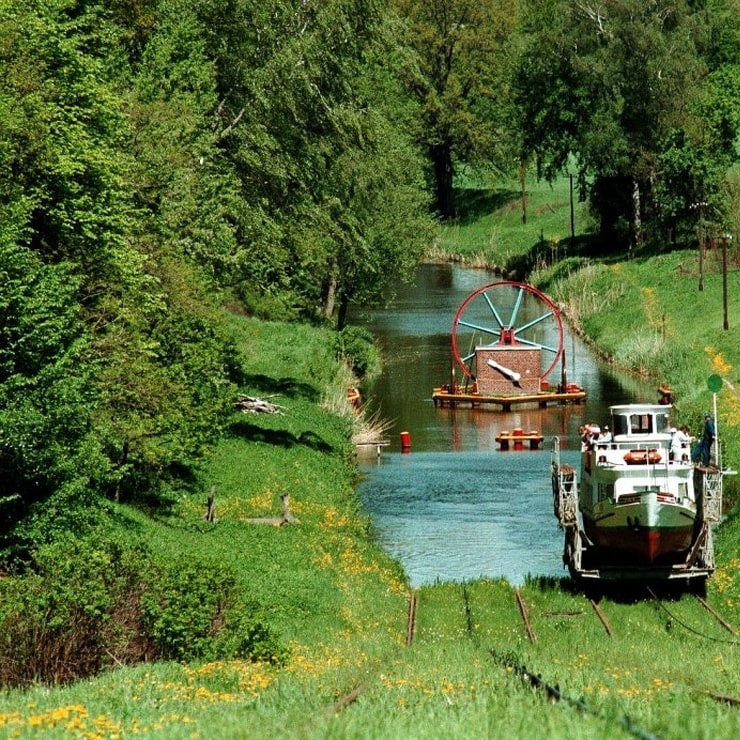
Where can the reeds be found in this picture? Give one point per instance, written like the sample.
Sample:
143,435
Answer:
370,427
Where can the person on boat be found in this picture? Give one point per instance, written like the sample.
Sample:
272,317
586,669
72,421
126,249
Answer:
605,437
589,436
680,442
703,448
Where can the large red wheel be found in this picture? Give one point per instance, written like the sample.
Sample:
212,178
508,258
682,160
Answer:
505,313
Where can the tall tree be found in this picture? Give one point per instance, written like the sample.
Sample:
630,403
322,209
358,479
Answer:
310,138
460,82
610,82
77,205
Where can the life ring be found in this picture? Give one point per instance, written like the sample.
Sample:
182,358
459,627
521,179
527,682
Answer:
642,457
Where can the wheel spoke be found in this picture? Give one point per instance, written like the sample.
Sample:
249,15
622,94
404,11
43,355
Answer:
518,303
484,329
536,344
493,309
533,322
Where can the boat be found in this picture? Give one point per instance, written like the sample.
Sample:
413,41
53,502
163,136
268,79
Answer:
636,501
638,506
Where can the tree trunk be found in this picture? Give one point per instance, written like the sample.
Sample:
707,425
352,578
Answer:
342,315
441,156
636,217
523,183
331,291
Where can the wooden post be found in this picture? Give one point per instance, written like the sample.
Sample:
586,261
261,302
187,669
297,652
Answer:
288,518
726,321
210,515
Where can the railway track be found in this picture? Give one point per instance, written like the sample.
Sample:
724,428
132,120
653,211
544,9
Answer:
531,619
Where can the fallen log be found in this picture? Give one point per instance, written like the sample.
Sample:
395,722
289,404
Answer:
255,405
278,521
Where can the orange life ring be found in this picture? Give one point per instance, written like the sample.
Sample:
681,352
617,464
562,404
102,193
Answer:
642,457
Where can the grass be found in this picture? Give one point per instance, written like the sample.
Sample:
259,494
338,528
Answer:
339,603
490,231
649,317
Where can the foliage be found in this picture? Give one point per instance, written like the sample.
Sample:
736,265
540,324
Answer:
89,603
46,396
356,347
458,78
188,613
613,85
73,614
336,206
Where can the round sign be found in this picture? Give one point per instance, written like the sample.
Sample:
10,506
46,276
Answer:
714,383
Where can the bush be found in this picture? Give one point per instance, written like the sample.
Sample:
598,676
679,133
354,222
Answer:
88,604
184,608
248,636
73,614
356,347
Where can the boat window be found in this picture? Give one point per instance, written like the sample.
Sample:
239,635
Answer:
641,423
683,490
619,425
662,422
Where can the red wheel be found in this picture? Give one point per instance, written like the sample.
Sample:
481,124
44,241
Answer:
504,313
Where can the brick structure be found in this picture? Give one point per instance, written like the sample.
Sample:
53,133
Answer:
519,358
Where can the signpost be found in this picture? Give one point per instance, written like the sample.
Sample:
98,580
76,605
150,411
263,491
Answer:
714,383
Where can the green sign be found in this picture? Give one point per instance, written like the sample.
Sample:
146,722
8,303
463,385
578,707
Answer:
714,383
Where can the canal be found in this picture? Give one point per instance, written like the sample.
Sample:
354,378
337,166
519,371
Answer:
455,507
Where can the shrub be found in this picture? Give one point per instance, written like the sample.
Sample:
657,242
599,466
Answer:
73,614
184,608
189,612
247,636
355,346
87,604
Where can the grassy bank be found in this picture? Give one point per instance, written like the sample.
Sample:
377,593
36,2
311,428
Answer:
649,317
496,227
337,605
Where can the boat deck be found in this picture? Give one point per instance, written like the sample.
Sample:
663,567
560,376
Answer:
445,398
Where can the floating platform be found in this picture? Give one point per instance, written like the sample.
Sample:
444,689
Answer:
516,439
451,398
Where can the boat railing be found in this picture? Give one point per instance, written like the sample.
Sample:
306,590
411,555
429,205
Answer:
637,452
711,482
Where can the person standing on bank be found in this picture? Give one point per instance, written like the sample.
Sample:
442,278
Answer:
704,446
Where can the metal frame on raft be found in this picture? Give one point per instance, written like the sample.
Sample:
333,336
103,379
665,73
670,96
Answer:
508,370
583,558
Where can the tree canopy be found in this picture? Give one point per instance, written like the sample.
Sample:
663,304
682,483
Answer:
624,87
462,49
161,158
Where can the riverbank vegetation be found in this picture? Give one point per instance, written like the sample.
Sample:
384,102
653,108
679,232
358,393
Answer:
192,194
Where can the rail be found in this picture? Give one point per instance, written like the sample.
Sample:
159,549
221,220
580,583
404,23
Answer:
551,692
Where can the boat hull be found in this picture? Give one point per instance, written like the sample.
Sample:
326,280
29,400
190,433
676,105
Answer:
651,529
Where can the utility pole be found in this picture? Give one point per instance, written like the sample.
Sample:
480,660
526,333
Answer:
700,206
701,246
725,322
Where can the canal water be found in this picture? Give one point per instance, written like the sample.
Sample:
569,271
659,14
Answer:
456,507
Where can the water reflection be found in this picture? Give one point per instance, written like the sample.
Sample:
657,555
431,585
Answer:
457,507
